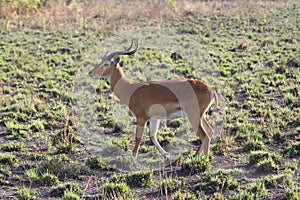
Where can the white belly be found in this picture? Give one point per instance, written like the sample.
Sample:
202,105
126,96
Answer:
179,113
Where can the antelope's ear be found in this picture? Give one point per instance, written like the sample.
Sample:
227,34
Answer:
115,61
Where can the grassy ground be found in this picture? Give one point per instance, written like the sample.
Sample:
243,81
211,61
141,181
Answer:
65,136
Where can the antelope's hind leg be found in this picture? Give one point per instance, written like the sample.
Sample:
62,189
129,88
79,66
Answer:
206,131
209,134
204,148
207,127
198,127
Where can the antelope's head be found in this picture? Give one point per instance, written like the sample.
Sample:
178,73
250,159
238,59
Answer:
110,60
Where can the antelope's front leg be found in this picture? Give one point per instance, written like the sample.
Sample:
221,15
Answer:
138,138
154,124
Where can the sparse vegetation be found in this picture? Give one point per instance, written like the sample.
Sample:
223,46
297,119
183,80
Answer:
223,145
62,189
58,127
171,185
281,180
116,191
96,163
293,150
257,156
254,191
25,194
292,194
140,179
183,196
70,196
267,165
196,164
254,145
216,183
12,146
8,159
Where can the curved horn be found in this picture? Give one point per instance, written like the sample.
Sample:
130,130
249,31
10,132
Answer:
130,45
125,52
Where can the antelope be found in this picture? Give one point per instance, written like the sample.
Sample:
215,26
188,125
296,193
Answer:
155,100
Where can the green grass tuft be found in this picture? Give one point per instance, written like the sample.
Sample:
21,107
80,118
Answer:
195,164
116,191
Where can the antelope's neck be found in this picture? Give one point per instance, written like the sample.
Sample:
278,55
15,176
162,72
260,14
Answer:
121,87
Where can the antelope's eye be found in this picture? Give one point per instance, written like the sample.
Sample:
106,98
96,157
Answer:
105,65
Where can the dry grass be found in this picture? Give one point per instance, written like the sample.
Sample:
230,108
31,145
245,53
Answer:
70,14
